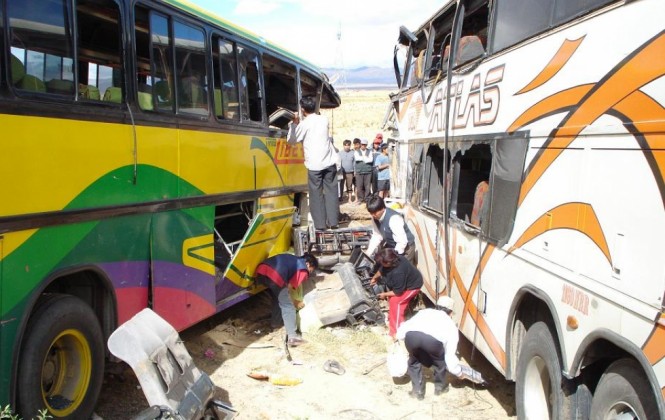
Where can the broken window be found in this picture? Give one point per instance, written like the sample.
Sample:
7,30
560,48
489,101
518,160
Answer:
486,185
251,105
225,68
435,167
281,91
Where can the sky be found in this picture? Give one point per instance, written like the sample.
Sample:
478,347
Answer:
309,28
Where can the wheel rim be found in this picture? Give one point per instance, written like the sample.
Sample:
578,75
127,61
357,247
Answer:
621,411
537,390
66,373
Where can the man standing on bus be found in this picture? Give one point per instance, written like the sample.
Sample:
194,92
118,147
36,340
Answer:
320,161
390,229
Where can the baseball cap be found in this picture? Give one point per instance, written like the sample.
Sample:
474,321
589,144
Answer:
445,302
363,141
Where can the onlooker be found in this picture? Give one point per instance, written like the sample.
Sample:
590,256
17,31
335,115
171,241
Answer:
389,230
320,161
382,164
282,274
363,170
348,161
431,337
402,282
376,151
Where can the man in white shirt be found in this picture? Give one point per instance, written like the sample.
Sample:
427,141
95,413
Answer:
431,337
320,161
390,229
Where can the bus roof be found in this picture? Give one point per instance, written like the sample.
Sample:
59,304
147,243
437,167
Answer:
235,29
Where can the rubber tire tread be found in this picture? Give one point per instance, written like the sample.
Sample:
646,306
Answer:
624,380
538,342
54,314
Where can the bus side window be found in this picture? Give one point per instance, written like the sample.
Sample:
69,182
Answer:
281,89
99,51
250,89
154,72
225,82
42,44
191,79
473,169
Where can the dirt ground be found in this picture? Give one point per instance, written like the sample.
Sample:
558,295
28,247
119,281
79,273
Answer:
240,341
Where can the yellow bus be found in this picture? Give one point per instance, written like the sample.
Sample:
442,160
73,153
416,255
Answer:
530,158
144,164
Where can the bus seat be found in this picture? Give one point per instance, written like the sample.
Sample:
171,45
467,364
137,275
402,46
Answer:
60,86
18,71
113,94
218,103
446,55
170,380
478,203
31,83
89,92
145,101
470,47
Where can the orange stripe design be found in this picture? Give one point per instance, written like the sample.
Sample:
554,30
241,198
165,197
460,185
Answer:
487,252
628,77
557,62
454,277
575,216
483,328
654,347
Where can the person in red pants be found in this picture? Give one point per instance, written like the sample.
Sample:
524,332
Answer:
400,282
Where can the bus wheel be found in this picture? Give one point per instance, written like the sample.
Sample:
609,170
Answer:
624,392
539,379
61,363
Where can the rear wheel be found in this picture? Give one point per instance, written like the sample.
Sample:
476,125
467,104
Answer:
61,364
538,385
623,392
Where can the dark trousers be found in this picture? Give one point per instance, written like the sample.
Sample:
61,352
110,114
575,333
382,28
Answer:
363,184
323,201
425,350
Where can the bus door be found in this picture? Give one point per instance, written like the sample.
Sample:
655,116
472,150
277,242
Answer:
266,236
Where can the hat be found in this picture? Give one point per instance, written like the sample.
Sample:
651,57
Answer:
445,302
379,136
363,141
384,146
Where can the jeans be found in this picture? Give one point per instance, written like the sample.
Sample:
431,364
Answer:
281,302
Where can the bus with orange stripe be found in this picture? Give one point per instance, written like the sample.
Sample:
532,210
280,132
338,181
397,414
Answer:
144,163
529,154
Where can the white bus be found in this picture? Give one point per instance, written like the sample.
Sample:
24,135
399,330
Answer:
536,191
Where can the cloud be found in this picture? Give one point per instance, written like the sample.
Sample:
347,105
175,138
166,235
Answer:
309,28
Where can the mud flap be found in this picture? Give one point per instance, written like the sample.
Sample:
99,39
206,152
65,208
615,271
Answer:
171,382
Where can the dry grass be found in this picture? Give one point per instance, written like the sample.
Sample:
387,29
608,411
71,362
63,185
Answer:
360,115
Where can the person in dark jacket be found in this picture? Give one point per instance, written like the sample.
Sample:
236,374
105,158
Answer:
402,282
389,230
281,274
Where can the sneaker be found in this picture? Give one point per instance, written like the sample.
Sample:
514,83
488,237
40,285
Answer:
295,341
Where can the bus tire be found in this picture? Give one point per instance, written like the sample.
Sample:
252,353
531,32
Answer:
61,364
538,386
623,391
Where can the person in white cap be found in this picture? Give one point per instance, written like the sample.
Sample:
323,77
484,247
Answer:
431,337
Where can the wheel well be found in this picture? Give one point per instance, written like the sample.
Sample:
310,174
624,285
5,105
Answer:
527,310
93,288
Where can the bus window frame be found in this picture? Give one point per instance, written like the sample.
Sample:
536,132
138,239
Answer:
207,52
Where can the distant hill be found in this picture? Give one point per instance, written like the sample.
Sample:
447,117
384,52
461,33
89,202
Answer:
362,77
